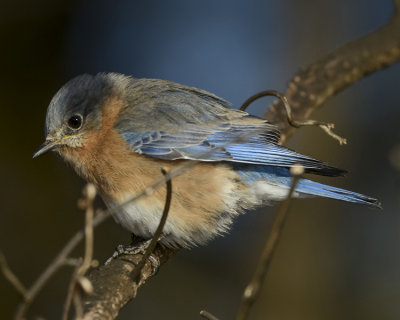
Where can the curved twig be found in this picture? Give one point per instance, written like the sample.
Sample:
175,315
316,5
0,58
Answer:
157,234
327,127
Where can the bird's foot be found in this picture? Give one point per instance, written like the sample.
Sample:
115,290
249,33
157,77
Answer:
138,246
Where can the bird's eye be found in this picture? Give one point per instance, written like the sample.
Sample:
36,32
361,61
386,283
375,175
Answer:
75,122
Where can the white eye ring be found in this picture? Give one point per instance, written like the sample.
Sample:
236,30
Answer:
75,122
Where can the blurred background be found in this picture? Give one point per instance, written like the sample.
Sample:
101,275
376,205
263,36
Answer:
335,260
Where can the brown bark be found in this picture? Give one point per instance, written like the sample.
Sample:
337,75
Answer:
114,286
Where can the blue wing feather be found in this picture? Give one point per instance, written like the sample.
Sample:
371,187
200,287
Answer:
195,125
234,143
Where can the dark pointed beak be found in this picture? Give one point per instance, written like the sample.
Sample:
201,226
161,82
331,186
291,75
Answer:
45,147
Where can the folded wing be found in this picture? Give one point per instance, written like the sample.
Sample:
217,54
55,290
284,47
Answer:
194,125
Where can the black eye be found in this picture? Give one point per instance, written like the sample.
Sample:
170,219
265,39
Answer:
75,122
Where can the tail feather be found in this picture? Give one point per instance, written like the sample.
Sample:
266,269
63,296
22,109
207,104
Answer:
280,177
308,187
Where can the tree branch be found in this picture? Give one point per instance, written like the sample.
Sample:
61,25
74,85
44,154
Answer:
114,286
311,87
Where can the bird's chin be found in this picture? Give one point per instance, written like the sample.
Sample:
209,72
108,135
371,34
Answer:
68,153
75,156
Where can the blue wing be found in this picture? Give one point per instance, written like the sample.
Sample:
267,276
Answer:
233,142
186,123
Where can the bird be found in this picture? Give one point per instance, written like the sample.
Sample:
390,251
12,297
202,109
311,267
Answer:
118,132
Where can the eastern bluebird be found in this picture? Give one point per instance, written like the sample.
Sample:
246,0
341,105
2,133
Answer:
118,132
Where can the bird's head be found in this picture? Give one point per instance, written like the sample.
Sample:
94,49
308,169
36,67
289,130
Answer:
76,110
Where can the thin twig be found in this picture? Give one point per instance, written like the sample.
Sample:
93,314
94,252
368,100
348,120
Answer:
327,127
70,296
207,315
11,277
73,292
90,191
78,305
252,290
157,234
58,262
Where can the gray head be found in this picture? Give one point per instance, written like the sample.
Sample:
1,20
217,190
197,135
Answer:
76,109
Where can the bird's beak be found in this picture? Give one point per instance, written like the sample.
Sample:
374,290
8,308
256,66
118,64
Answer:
47,146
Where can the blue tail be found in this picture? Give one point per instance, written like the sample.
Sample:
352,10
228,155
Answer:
281,177
308,187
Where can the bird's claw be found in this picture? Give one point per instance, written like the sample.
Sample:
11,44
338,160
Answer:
130,249
135,247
